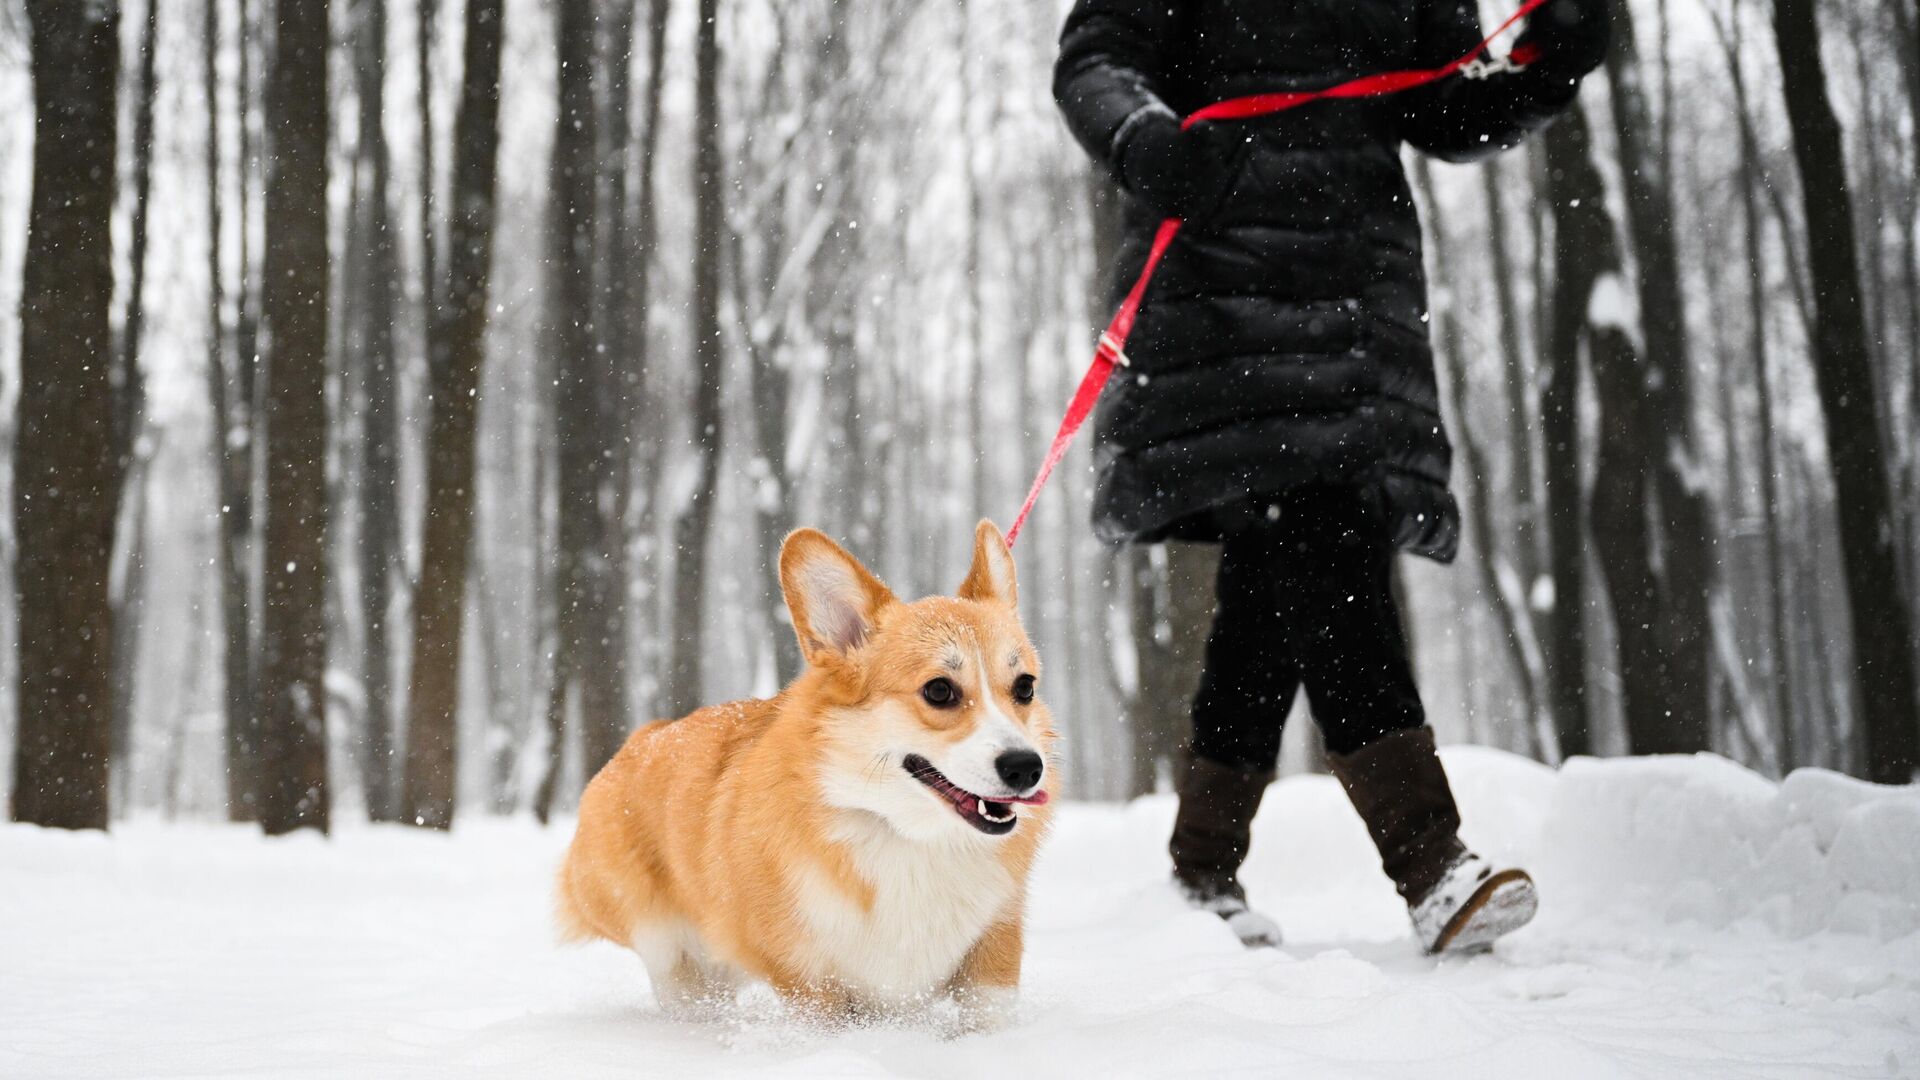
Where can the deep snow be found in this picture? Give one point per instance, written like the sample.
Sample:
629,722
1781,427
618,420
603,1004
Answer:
1697,920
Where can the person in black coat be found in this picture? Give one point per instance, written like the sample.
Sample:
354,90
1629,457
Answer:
1280,397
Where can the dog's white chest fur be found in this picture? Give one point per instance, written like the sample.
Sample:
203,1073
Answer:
931,903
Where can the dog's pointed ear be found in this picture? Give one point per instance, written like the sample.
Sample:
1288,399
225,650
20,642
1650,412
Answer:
991,577
833,599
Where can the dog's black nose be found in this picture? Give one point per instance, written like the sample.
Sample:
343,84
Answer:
1020,769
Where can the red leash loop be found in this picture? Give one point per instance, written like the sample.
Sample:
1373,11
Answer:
1111,352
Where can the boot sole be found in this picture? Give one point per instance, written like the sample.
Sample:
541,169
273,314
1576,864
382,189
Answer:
1502,904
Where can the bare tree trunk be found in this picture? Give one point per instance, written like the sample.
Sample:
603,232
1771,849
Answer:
244,450
192,695
642,420
695,522
1172,613
456,354
1502,595
379,534
1625,470
425,14
592,615
63,464
247,318
1874,133
970,148
1884,645
1780,670
1906,44
555,716
1580,229
600,679
1869,138
1732,692
762,334
542,549
1617,517
1676,534
231,455
506,724
621,374
130,411
548,587
855,507
1514,382
1907,49
129,606
457,343
294,304
129,386
773,499
1783,700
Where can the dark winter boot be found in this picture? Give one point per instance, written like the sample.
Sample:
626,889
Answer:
1211,832
1458,900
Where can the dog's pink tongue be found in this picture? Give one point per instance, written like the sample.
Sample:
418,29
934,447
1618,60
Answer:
1038,798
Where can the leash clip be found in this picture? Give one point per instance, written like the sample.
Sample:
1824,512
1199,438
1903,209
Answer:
1486,69
1110,348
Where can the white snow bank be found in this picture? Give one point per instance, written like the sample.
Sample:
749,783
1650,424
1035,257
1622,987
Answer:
1704,839
1697,920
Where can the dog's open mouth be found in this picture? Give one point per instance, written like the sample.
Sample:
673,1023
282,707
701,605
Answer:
995,817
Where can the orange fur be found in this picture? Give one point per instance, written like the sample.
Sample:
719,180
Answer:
783,840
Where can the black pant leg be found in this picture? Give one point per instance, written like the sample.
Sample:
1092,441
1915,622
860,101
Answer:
1251,677
1343,622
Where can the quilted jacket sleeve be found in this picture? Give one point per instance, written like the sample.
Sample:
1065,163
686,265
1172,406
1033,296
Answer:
1110,72
1464,119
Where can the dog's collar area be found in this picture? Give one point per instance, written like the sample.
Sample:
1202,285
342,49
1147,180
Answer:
995,817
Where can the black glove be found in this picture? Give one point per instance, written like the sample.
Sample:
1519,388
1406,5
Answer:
1568,37
1183,174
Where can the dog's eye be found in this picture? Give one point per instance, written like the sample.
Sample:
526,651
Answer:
1023,689
941,693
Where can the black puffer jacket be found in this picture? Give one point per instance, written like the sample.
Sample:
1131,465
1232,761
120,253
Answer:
1284,338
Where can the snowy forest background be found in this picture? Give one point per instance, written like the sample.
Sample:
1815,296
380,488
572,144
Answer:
613,293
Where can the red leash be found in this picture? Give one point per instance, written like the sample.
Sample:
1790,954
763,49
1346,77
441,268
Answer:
1112,351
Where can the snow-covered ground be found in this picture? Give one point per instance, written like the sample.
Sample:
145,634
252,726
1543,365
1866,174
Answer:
1697,921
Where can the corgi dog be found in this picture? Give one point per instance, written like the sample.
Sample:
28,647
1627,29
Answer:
860,842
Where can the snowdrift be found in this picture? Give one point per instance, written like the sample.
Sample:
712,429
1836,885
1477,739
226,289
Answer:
1701,839
1697,920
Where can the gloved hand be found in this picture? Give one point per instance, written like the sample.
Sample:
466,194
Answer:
1567,37
1183,174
